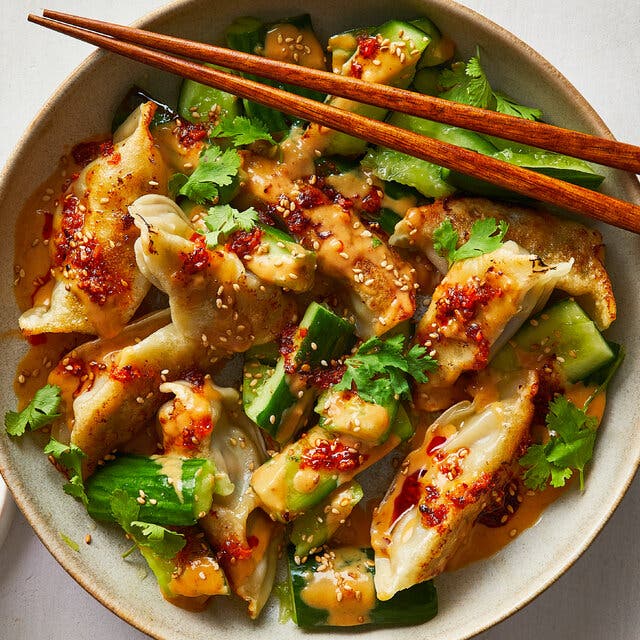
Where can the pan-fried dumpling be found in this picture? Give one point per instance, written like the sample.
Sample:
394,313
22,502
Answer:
245,539
443,485
110,386
478,306
377,283
209,290
552,238
97,285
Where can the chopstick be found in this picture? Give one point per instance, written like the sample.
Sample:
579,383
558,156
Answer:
603,151
537,186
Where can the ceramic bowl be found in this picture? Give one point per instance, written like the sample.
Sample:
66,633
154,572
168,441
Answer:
471,599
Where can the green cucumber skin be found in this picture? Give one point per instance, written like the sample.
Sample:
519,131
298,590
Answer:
568,332
135,473
411,606
204,98
132,100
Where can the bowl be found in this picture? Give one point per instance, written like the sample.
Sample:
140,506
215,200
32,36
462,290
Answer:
471,599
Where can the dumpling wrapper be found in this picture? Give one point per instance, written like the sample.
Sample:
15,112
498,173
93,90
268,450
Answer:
110,386
553,238
475,309
438,494
213,298
97,285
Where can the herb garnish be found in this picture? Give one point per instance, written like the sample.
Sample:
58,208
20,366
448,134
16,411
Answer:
379,370
486,236
70,457
216,168
467,83
163,542
569,449
41,411
223,220
241,130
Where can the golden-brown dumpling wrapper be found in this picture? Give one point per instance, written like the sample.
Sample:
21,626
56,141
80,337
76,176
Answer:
440,491
478,306
97,285
552,238
212,296
110,387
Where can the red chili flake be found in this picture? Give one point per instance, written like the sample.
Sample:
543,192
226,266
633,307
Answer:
115,158
297,222
286,346
71,366
85,152
463,302
128,373
126,220
199,258
368,46
47,224
244,243
433,517
435,443
474,333
333,195
190,133
450,466
465,495
505,502
38,338
253,541
356,69
324,377
409,495
233,550
195,432
195,377
310,197
372,202
332,455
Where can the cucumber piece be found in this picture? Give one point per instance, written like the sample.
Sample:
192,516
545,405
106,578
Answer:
201,99
426,177
373,65
343,45
132,100
311,530
427,81
388,219
278,259
402,425
313,588
181,488
440,48
563,330
321,335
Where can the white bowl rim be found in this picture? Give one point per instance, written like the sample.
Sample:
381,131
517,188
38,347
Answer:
38,522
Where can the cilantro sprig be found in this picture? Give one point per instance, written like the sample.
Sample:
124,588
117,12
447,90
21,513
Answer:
41,411
380,369
163,542
216,168
223,220
70,457
241,130
468,83
569,449
486,235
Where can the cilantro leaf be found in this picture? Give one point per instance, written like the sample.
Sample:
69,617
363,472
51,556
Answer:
569,449
486,236
42,410
242,130
223,220
162,541
468,84
379,370
215,169
70,457
445,240
72,544
504,104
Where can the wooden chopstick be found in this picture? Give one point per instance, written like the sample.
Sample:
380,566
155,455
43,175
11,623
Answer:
537,186
573,143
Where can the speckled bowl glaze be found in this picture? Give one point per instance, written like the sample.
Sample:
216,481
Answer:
471,599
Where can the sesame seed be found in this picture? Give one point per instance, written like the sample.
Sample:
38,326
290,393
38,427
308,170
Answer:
272,419
154,183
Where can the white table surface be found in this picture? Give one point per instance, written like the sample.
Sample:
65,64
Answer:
597,46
